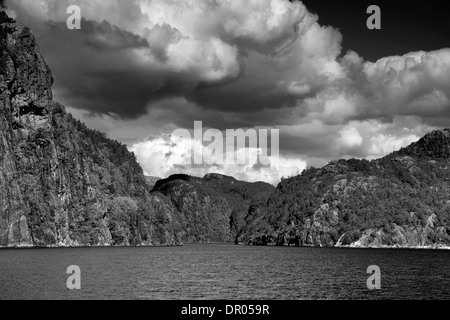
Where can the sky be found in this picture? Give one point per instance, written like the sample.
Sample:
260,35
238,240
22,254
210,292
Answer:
140,69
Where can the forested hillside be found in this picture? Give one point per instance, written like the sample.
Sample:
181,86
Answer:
401,200
213,207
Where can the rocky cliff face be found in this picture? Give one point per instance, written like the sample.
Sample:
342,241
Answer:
62,184
25,97
402,200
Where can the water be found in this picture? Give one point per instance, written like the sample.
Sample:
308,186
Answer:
222,271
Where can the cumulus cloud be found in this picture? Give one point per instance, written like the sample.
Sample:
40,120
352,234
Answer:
213,53
350,138
171,154
417,83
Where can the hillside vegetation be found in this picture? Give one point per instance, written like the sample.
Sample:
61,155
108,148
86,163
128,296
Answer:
401,200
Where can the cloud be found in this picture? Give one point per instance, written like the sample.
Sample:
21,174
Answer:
144,68
217,56
153,50
350,138
169,154
417,83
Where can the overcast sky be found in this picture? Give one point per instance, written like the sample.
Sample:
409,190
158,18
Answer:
139,69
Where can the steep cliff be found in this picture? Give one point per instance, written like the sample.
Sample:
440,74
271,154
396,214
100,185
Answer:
62,184
401,200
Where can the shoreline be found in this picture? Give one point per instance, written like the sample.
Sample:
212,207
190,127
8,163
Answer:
438,247
398,247
87,246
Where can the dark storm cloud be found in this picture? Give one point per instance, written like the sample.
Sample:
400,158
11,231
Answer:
96,70
242,96
104,36
281,59
234,66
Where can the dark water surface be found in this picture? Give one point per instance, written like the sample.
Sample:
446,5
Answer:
221,271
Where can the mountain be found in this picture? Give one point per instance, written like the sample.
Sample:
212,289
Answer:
401,200
211,209
62,184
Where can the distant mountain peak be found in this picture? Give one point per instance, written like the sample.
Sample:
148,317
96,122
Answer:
217,176
5,18
435,144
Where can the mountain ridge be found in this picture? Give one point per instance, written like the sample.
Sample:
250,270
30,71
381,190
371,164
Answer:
400,200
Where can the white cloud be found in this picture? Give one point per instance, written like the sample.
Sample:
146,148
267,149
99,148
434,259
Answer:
167,155
400,84
213,60
383,144
350,138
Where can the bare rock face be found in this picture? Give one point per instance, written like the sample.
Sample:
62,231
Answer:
62,184
25,78
25,91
